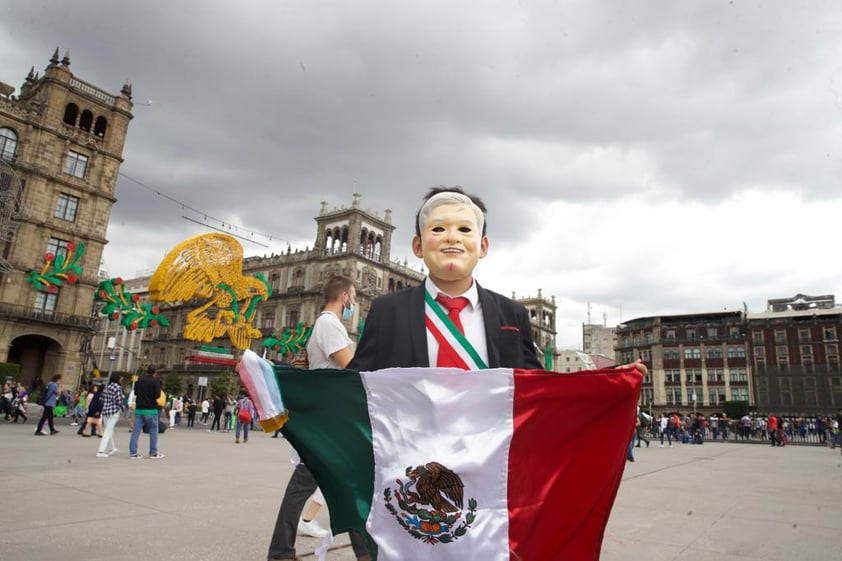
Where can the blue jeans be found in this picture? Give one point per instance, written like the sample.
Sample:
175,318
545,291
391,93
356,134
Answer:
151,424
245,427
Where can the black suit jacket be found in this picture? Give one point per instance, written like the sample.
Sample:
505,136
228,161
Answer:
395,333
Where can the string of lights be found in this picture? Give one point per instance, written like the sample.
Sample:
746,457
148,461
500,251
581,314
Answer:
206,217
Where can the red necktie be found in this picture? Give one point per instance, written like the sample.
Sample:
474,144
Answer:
453,306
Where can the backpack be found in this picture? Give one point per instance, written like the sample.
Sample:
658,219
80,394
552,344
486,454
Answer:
645,420
42,397
244,416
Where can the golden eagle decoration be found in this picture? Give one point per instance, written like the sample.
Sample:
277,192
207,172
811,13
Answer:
209,268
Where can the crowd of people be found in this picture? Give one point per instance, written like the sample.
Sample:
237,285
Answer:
777,430
13,402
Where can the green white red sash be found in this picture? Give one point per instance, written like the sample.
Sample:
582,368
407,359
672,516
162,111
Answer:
448,336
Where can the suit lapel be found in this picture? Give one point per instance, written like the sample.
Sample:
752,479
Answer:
418,326
491,318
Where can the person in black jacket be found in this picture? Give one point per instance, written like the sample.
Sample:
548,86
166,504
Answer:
402,329
93,417
147,390
218,408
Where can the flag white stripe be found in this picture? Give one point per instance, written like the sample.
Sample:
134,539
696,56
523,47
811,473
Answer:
462,420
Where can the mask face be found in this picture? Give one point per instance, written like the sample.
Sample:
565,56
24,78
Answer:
348,313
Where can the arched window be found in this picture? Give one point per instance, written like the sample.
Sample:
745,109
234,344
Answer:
100,125
337,241
8,144
86,120
328,241
71,113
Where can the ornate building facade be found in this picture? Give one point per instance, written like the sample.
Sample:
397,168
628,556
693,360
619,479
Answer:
61,146
542,314
349,241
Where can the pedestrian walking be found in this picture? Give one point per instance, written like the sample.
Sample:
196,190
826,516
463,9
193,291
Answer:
245,414
50,395
112,405
93,416
146,415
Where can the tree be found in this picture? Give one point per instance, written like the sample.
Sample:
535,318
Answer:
735,409
173,384
224,384
9,370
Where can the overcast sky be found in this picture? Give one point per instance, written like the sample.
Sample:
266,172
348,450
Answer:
646,157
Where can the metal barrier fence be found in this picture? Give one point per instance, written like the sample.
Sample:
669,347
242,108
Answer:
804,435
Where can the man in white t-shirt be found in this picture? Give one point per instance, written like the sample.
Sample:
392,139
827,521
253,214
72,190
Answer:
328,347
205,411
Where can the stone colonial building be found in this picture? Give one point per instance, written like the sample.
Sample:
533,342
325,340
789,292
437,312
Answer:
542,314
61,146
349,241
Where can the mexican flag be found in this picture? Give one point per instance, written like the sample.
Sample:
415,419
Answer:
443,464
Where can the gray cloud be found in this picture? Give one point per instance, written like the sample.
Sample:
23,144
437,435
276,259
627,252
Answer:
259,111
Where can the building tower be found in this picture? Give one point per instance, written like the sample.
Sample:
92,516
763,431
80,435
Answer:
63,139
542,314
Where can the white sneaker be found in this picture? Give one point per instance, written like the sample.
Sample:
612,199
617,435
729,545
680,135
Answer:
74,424
156,456
311,529
114,451
101,455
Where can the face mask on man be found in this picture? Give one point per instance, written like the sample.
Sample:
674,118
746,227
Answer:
348,311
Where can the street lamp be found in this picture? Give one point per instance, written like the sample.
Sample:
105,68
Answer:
112,342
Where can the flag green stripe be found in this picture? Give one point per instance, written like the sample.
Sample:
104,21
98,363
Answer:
336,446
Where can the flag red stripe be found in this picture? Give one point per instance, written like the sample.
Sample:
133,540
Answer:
566,460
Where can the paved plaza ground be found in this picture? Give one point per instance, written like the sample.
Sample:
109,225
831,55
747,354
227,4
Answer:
213,500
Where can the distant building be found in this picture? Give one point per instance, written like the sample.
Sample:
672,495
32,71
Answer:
801,302
694,360
599,339
61,146
784,360
795,354
602,361
573,361
542,312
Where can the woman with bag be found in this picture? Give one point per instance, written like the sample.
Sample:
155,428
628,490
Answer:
94,418
112,405
245,414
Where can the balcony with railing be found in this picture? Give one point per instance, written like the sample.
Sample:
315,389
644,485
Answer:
45,316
